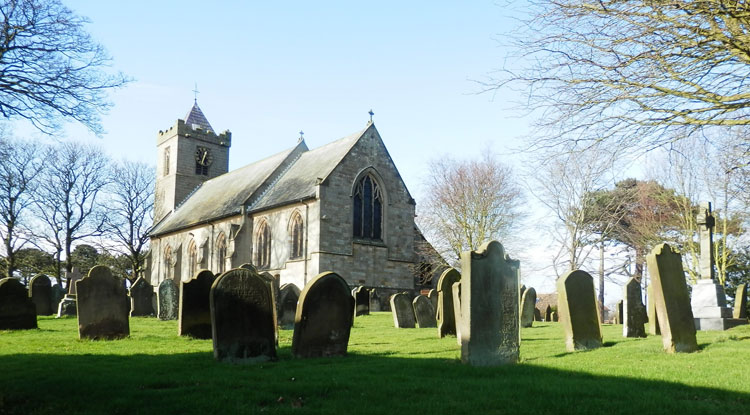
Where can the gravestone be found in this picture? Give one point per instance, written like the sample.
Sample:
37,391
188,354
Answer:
58,293
288,297
619,315
242,317
548,313
274,283
40,291
740,302
403,313
490,333
671,300
528,303
553,316
432,295
446,313
324,318
653,319
168,300
423,312
195,306
17,311
141,298
579,317
375,300
103,306
361,301
634,312
67,306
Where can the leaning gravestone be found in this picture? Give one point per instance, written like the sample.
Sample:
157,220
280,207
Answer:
17,311
242,317
432,295
67,306
456,292
195,306
403,313
672,300
576,303
740,302
653,319
423,312
103,306
288,298
528,303
361,301
168,300
445,313
619,315
375,300
489,307
634,312
141,297
324,318
40,291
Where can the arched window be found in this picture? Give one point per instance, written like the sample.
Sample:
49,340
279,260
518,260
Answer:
296,234
368,209
192,259
221,253
263,246
166,161
167,263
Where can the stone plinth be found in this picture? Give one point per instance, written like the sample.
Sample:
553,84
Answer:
710,309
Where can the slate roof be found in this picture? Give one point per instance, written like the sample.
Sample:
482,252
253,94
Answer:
195,118
274,181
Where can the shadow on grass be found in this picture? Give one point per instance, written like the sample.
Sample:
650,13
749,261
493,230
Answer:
195,383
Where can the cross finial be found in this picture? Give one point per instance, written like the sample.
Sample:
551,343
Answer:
371,114
195,93
301,136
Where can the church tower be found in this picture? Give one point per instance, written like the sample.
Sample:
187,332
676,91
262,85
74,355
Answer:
188,154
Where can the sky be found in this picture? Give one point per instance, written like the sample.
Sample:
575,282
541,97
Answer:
267,70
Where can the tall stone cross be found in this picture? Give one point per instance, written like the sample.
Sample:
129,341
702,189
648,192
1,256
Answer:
706,223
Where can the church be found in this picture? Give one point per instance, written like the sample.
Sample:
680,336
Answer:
342,207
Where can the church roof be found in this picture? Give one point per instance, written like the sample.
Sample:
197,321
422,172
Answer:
195,118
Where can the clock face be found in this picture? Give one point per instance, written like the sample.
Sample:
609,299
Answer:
203,156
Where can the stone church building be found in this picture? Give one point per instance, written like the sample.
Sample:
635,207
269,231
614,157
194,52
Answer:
342,207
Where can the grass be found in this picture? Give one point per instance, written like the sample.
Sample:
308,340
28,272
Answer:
388,370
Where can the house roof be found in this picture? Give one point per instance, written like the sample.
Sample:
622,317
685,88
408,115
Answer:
195,118
544,300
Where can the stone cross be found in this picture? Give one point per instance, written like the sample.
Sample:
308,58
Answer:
706,223
72,277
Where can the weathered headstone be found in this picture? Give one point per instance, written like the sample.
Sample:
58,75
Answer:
195,306
740,302
433,297
274,283
653,319
445,313
375,300
528,303
324,318
361,301
17,311
403,313
634,312
548,313
141,297
288,298
489,307
671,300
169,300
619,313
58,293
103,306
242,317
456,292
553,316
67,306
40,291
423,312
579,316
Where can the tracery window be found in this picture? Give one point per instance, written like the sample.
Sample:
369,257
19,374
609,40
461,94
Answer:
221,253
192,259
297,239
263,246
368,209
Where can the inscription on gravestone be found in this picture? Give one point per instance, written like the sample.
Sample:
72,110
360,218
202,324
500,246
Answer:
169,300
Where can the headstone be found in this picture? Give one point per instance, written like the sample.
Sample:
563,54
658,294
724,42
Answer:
423,312
548,313
169,300
288,297
273,282
553,316
67,306
446,317
456,292
740,302
17,311
375,300
141,297
58,293
403,313
433,297
361,301
528,305
103,306
324,318
195,306
242,317
489,307
537,315
634,312
671,300
40,291
653,319
619,315
579,316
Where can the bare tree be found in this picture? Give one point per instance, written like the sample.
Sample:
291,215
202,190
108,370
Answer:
130,210
50,68
469,203
20,168
67,202
639,73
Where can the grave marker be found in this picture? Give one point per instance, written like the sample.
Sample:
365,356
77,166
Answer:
195,306
40,291
579,315
528,303
634,312
445,313
288,298
103,306
17,311
141,298
423,312
361,301
740,302
169,300
403,313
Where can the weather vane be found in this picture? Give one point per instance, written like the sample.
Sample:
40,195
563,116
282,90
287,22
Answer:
195,93
371,114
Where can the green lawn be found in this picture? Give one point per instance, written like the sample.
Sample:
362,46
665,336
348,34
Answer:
388,370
